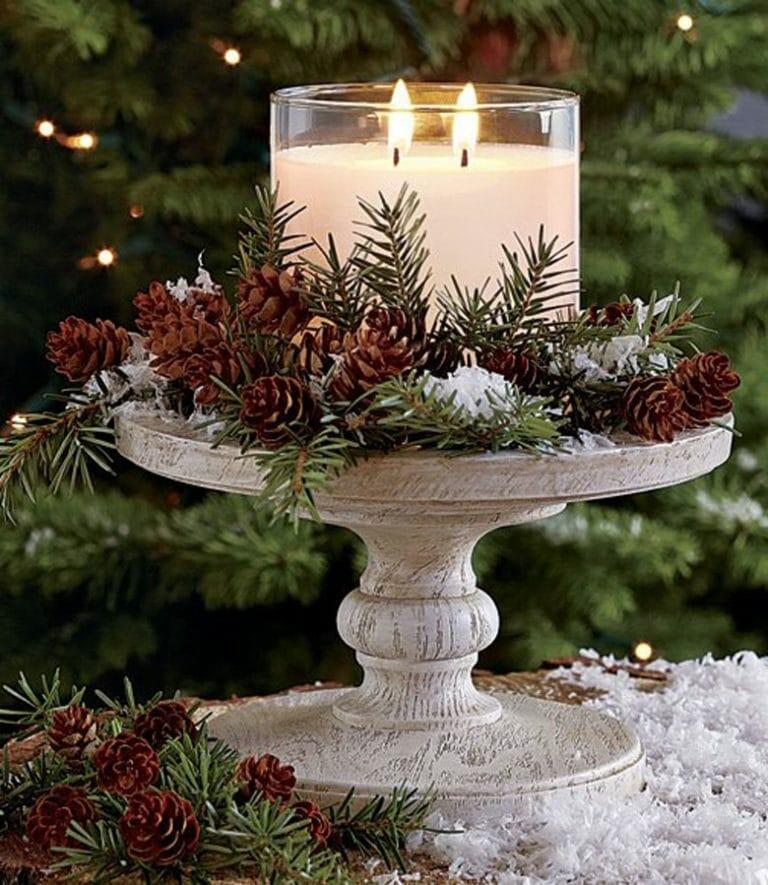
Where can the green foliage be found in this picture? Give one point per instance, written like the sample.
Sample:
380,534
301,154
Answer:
186,136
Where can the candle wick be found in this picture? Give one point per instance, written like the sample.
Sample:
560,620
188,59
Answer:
396,156
464,158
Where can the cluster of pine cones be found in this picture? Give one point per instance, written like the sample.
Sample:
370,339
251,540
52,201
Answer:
158,826
270,350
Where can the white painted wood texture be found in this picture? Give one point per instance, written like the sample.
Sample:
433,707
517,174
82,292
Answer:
418,620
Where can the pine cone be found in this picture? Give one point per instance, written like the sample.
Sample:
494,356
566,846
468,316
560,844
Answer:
70,732
610,315
318,347
386,345
439,356
271,302
80,349
177,338
49,818
319,826
706,381
224,361
164,722
157,305
125,765
159,828
266,775
654,408
517,366
276,404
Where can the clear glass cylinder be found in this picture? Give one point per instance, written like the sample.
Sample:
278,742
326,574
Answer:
486,166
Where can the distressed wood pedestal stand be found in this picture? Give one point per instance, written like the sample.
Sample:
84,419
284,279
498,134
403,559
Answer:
418,621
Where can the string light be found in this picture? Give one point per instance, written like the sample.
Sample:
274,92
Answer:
106,256
685,22
136,211
45,128
232,56
83,141
18,422
643,651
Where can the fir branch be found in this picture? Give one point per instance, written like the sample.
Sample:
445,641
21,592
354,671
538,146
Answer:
266,839
299,470
336,290
411,414
392,255
58,448
380,826
265,239
21,784
35,706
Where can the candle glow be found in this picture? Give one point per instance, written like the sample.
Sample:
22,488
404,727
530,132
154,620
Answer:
401,123
466,124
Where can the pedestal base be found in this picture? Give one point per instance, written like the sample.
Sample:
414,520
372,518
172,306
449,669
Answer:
534,748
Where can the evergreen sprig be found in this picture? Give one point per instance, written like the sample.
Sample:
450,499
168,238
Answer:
392,255
264,238
410,413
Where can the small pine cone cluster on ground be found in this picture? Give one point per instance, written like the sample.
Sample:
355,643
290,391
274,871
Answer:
159,828
71,732
52,814
697,391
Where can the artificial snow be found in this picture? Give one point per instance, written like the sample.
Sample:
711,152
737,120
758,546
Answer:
181,288
474,389
701,818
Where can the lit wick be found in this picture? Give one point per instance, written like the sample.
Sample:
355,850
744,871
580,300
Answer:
464,158
396,156
401,123
466,125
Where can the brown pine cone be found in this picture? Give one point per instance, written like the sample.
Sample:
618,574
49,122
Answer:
320,828
154,306
125,765
439,356
224,361
164,722
80,349
386,345
271,302
611,314
177,338
706,381
71,731
654,408
266,775
517,366
49,818
318,347
159,828
276,404
157,305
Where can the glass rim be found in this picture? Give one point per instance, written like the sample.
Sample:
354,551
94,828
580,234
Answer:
526,98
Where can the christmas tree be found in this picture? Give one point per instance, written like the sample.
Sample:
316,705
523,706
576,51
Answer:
133,136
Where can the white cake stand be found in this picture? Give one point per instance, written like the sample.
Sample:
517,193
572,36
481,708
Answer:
418,621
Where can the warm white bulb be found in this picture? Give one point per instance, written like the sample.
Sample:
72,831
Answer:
83,141
642,651
45,128
106,257
685,22
232,56
18,422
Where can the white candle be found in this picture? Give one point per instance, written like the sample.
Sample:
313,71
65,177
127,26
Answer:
476,194
505,189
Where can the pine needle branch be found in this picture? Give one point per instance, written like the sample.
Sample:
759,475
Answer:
264,239
392,254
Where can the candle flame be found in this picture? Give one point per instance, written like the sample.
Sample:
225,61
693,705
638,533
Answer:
466,124
401,122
